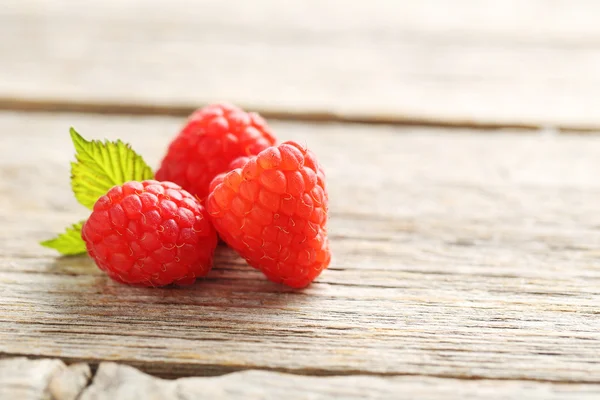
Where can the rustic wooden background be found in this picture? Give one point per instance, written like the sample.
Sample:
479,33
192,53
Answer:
462,151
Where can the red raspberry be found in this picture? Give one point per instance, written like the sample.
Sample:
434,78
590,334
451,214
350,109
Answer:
150,233
212,138
272,210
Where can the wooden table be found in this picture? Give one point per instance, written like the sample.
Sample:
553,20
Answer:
464,174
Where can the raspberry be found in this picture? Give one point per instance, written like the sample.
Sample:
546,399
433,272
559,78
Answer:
150,233
212,138
272,210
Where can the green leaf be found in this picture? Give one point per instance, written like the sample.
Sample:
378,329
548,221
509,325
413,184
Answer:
68,243
102,165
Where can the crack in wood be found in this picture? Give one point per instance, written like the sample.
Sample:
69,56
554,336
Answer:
170,110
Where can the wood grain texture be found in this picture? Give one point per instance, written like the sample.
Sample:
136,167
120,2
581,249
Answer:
28,380
470,62
458,256
43,379
115,381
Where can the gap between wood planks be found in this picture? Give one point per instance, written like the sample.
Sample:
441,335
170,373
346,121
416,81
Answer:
44,378
220,370
123,108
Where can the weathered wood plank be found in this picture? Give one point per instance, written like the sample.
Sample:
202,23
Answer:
462,62
25,379
28,379
463,256
121,382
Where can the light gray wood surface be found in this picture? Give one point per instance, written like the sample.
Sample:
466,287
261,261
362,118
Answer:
114,381
117,381
466,263
463,255
466,62
25,379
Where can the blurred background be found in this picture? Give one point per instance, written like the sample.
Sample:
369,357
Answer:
482,63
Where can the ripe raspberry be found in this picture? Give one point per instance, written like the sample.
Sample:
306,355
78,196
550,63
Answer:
150,233
212,138
272,210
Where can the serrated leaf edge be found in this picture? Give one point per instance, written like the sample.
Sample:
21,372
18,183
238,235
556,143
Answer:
90,160
74,243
